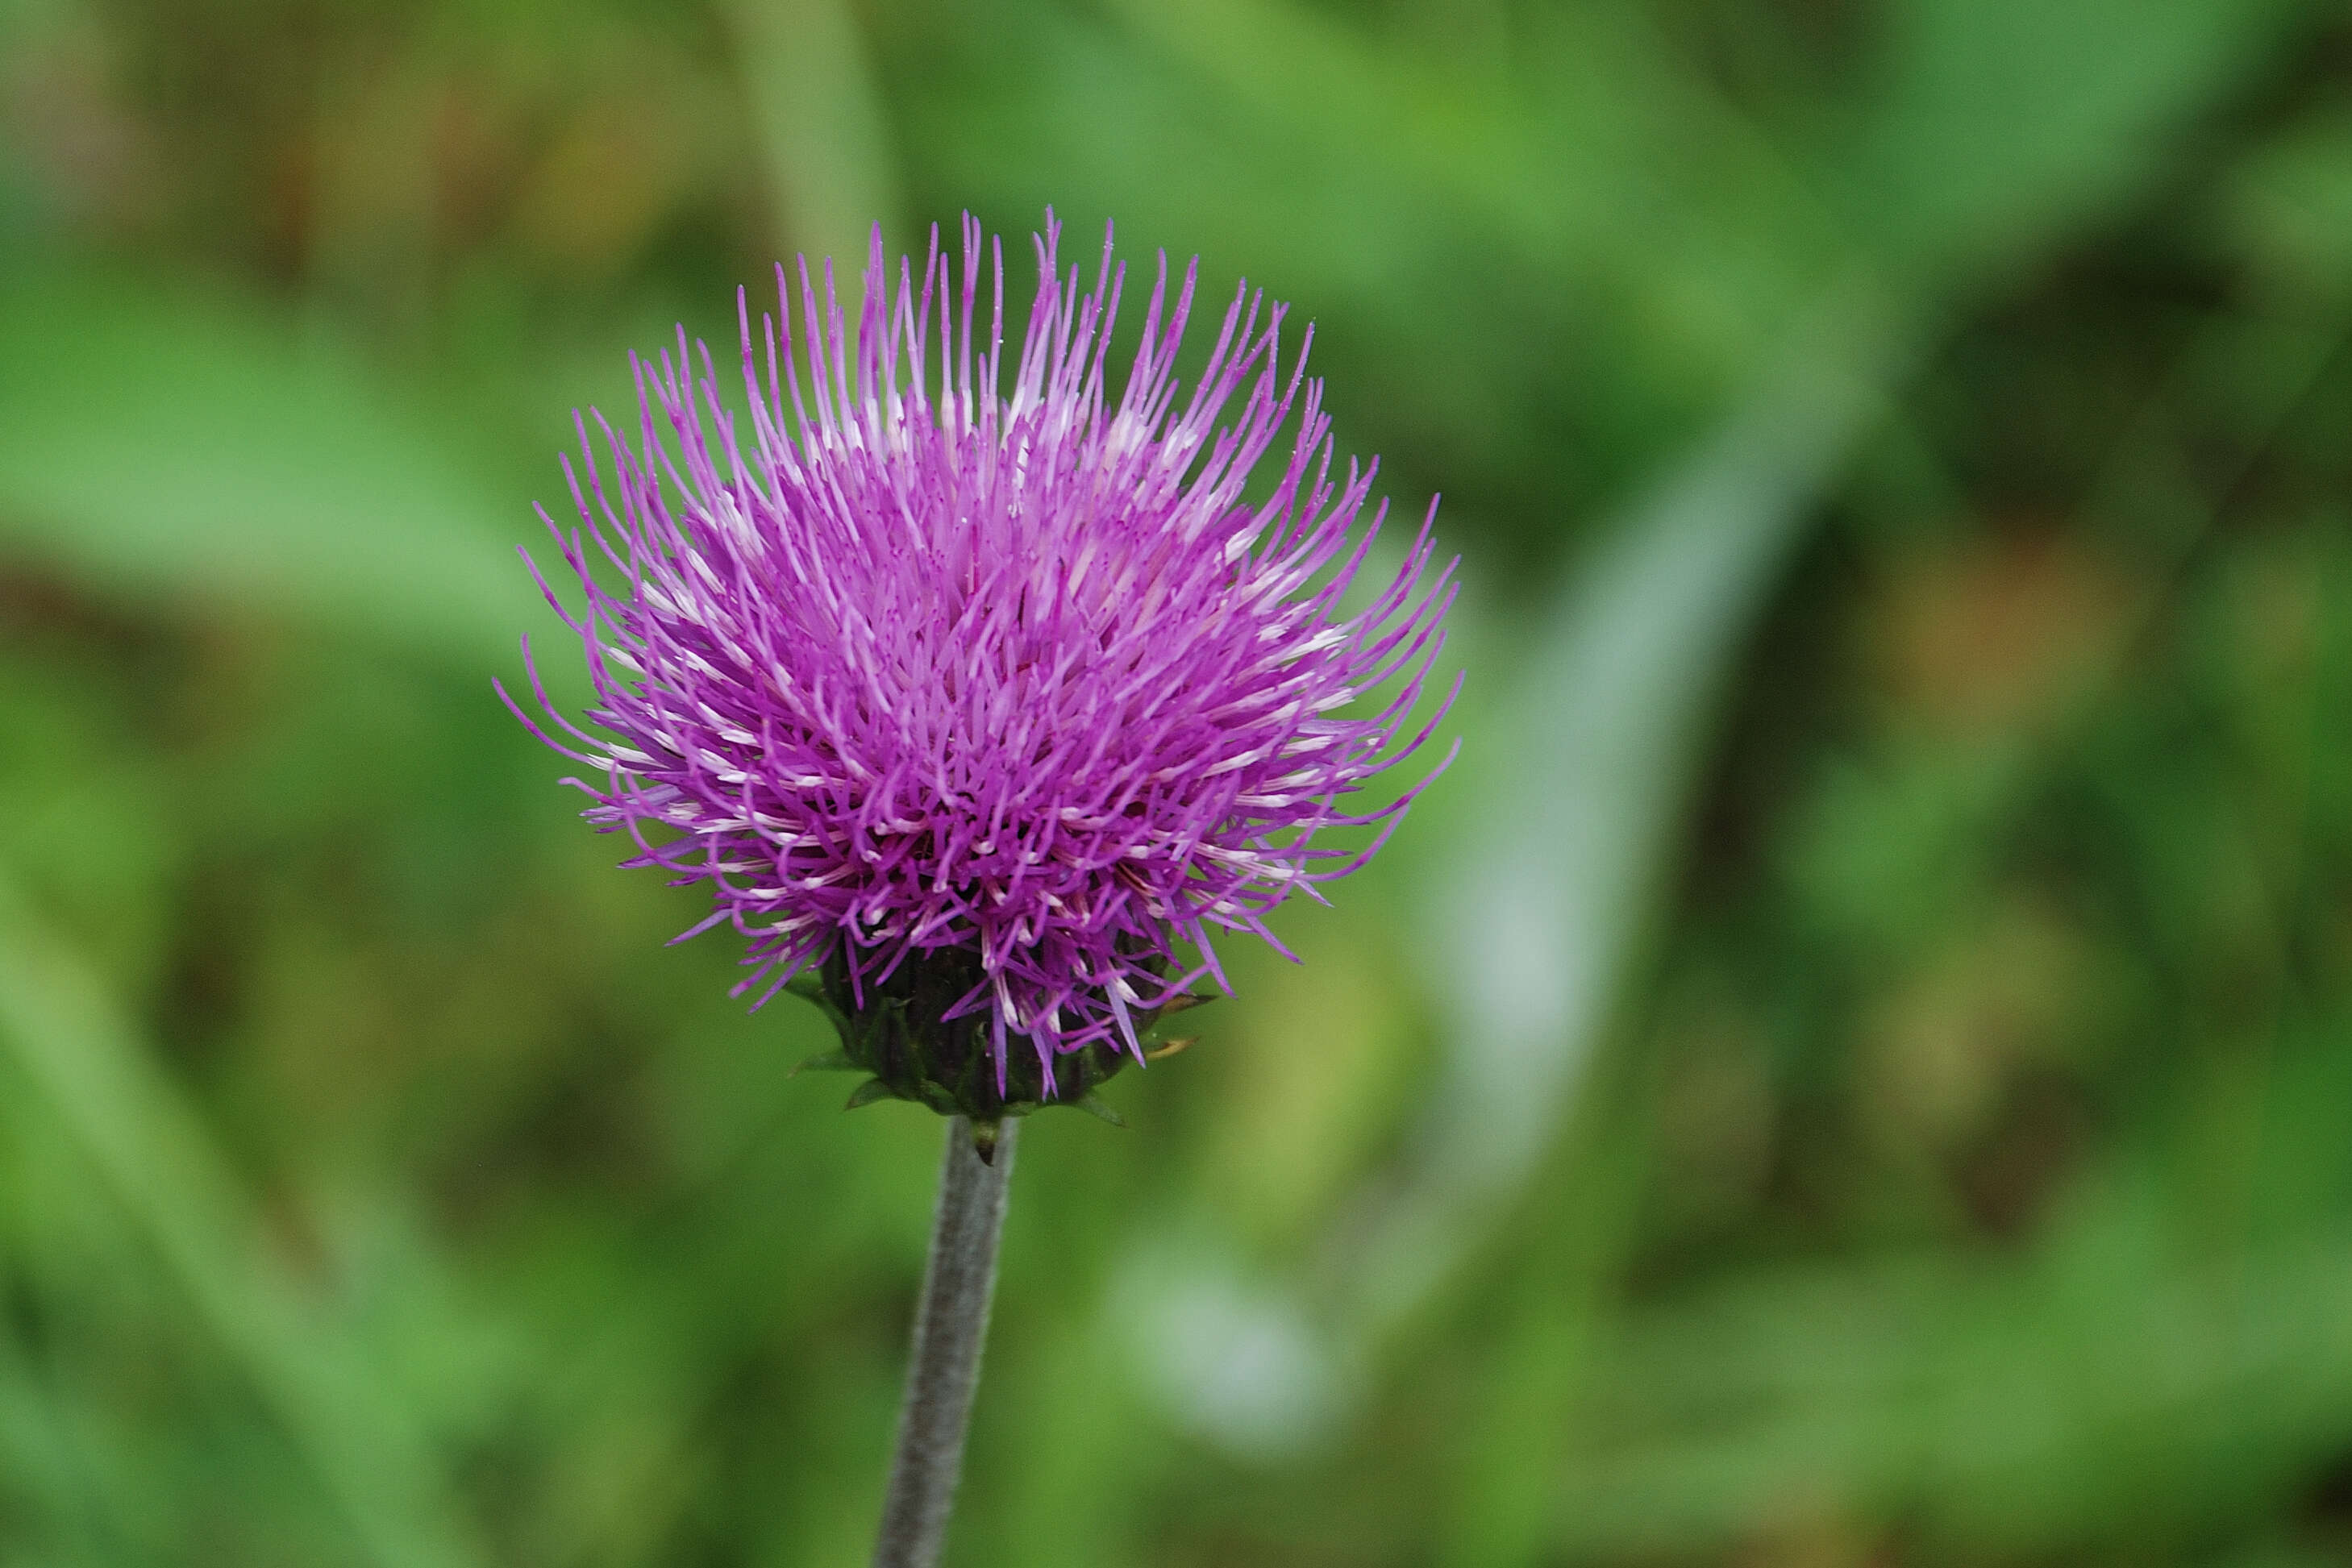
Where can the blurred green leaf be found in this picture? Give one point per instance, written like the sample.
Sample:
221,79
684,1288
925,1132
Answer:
1541,913
1998,123
162,443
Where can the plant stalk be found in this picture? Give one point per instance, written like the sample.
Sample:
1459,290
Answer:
950,1325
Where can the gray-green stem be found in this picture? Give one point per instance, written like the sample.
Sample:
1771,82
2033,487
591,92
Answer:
950,1325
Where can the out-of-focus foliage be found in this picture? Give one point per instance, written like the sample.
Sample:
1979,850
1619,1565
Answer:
1855,1067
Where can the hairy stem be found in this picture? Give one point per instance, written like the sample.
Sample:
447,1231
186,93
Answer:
950,1324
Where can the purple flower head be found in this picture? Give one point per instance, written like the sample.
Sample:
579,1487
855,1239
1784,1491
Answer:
926,676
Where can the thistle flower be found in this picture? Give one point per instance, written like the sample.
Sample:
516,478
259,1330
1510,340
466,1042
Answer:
978,712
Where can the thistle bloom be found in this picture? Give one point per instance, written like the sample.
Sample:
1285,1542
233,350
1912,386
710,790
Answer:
992,704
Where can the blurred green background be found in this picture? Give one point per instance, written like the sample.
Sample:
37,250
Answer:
1855,1067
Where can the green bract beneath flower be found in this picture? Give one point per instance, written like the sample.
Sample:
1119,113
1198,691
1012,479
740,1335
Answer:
896,1030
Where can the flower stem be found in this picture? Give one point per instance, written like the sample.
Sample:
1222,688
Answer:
950,1324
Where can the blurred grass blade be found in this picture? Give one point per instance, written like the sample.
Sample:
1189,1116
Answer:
70,1039
156,442
821,125
1548,907
1543,909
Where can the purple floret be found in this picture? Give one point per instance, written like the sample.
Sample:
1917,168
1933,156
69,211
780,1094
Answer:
927,666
